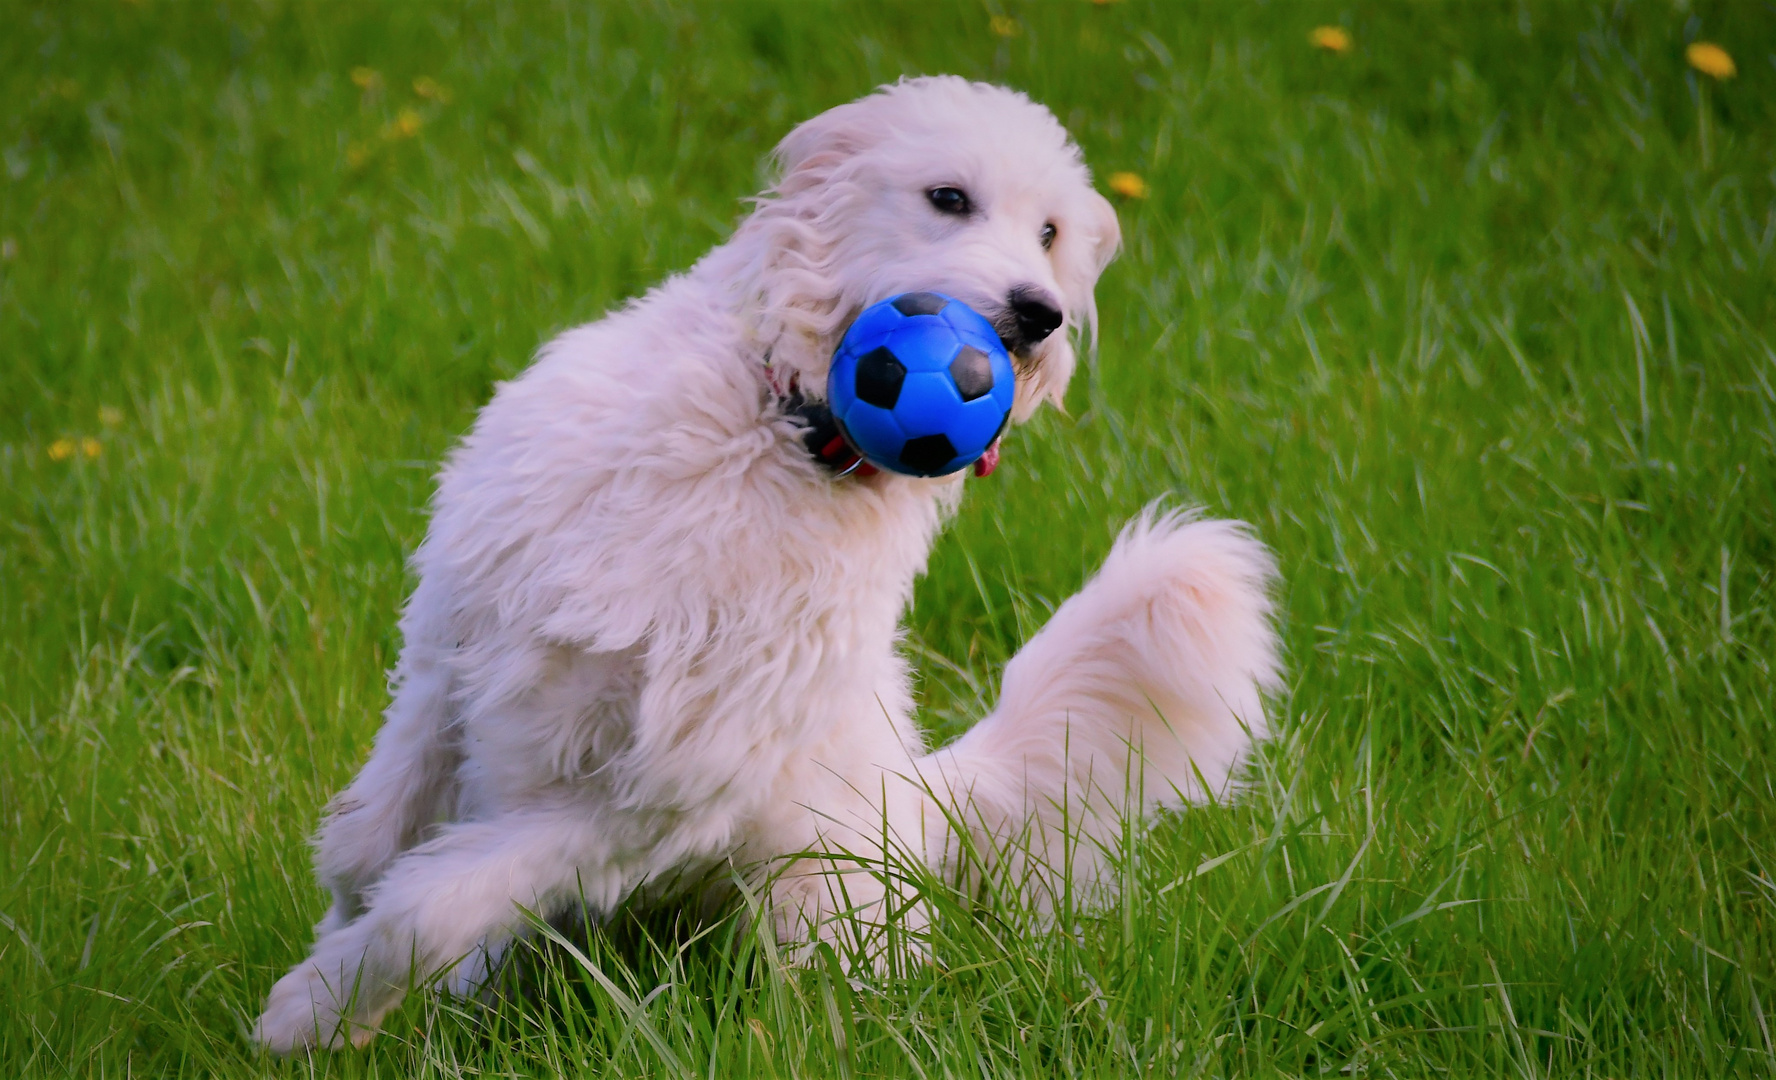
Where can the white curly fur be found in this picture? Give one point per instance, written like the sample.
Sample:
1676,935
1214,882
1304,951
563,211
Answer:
652,636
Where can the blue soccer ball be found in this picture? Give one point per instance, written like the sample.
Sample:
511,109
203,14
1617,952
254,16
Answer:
921,384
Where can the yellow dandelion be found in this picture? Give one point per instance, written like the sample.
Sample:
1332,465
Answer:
1129,185
1004,26
430,89
1711,60
405,125
1331,38
110,415
366,78
91,447
61,450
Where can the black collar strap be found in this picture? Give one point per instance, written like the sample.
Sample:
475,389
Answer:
821,436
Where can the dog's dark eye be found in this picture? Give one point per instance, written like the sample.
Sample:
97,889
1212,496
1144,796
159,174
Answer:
949,200
1048,236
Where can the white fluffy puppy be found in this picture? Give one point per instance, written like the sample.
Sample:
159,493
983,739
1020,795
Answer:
653,634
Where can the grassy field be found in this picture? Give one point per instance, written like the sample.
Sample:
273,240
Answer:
1473,321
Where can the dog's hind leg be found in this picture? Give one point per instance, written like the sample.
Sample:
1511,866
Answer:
407,784
837,841
1144,690
433,907
851,884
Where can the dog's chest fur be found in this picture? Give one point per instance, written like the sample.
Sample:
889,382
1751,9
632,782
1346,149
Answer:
657,593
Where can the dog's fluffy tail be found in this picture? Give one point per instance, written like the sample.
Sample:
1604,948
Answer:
1145,690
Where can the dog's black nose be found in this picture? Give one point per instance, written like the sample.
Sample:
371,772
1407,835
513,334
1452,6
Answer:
1036,311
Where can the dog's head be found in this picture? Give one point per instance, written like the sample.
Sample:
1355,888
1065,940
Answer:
931,184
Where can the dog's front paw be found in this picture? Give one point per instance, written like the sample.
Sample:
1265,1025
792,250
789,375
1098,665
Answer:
304,1012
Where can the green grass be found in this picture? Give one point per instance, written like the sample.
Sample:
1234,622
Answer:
1474,323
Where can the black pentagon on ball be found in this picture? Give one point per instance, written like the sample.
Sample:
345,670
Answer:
927,453
879,376
972,372
920,303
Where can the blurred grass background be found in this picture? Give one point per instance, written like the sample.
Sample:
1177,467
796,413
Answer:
1473,320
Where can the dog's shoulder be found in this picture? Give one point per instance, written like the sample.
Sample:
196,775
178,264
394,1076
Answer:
658,386
586,473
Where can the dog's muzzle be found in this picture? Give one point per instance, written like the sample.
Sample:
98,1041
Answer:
1030,315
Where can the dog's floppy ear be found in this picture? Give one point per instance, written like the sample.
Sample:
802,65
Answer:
1102,236
1099,238
794,285
815,147
1106,232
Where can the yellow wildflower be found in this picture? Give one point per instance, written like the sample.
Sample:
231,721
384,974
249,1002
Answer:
1004,26
1710,59
1331,38
430,89
1129,185
110,415
61,450
91,447
366,78
405,125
